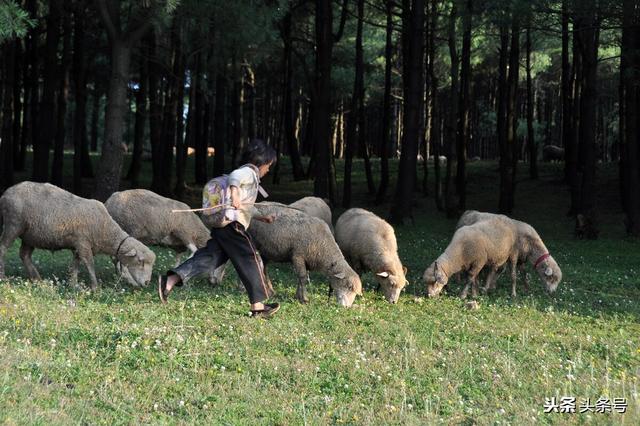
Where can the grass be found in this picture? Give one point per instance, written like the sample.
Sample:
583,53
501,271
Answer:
117,356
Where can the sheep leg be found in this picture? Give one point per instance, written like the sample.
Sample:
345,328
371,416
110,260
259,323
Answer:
7,237
491,280
474,287
514,274
216,275
25,254
301,272
86,257
472,275
73,269
523,270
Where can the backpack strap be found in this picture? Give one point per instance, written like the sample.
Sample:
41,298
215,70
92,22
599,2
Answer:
255,169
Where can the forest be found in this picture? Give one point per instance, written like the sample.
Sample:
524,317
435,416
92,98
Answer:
115,83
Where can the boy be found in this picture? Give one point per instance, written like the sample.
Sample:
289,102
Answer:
232,242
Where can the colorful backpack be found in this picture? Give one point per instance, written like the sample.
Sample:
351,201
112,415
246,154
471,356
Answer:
216,194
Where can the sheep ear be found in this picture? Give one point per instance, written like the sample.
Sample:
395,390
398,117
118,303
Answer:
131,253
404,269
548,272
340,276
383,274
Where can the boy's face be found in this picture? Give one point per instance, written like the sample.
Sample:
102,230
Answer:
264,169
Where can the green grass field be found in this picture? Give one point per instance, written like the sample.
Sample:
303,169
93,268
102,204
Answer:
117,356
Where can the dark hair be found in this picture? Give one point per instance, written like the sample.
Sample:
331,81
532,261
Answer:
259,153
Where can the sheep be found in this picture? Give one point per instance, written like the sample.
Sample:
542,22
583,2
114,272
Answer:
147,217
552,153
486,243
529,248
316,207
307,243
369,244
47,217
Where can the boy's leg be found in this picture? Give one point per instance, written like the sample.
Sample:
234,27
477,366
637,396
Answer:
239,246
209,256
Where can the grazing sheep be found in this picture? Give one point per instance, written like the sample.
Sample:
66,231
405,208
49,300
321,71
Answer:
307,243
316,207
369,244
529,248
552,153
47,217
486,243
147,217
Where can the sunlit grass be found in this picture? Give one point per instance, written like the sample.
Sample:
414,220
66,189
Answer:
119,356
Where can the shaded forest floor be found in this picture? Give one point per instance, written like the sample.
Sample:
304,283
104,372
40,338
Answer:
119,357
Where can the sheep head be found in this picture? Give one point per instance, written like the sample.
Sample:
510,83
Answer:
435,278
550,273
392,281
136,262
346,286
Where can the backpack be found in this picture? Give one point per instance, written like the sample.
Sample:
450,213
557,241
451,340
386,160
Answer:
216,193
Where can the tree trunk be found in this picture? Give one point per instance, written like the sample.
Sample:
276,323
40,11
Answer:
155,115
18,110
385,140
412,39
434,132
218,124
63,96
30,73
354,118
110,165
46,123
450,206
322,98
531,143
630,131
463,135
181,146
140,122
80,88
198,141
589,42
236,111
572,152
95,116
567,131
289,122
6,139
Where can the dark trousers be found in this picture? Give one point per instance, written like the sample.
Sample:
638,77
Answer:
229,243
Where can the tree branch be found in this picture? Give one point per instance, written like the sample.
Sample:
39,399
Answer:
112,31
343,19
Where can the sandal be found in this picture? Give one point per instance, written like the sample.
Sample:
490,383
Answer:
267,312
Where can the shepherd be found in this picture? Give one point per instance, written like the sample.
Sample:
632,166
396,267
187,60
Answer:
230,216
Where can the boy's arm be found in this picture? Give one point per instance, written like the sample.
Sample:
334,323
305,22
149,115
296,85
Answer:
235,197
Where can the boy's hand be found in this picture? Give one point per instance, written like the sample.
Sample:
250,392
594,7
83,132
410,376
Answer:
235,198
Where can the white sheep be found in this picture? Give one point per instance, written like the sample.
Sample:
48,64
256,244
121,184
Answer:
148,217
486,243
308,244
47,217
316,207
369,244
529,248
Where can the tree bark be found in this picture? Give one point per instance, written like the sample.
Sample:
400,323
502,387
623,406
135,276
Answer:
181,146
140,122
199,141
289,122
63,96
110,166
589,42
572,151
46,123
412,39
218,124
385,140
450,206
355,128
531,143
567,101
6,142
434,132
463,135
322,97
630,100
80,88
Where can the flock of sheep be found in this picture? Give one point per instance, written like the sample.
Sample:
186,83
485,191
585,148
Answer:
47,217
